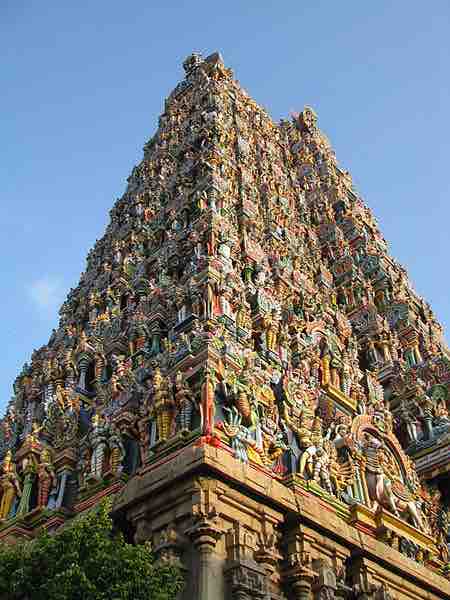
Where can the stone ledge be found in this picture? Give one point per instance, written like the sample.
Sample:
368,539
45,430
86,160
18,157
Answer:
202,458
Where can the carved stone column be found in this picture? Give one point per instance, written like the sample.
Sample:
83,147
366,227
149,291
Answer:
139,518
204,534
360,579
364,587
168,548
298,572
246,581
268,556
383,593
301,584
325,585
246,578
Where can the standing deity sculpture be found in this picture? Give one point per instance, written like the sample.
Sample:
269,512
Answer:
330,363
371,354
208,402
46,478
384,344
143,435
426,412
185,403
163,407
98,443
298,414
346,375
9,486
209,300
411,423
61,397
271,326
116,450
321,469
83,466
29,476
243,318
225,298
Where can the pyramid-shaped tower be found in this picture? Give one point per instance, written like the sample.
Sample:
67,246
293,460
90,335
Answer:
246,369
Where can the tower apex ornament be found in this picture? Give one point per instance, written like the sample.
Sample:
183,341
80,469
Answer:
192,62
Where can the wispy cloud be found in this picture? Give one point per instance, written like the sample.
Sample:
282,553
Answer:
47,294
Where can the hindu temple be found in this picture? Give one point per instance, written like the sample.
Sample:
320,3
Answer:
245,370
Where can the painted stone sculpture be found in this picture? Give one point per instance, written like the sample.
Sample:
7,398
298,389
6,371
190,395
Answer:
10,486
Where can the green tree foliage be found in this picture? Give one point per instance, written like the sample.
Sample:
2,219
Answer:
85,561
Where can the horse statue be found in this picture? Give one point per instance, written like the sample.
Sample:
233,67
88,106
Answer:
385,483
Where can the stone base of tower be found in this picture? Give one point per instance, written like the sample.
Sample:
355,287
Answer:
240,533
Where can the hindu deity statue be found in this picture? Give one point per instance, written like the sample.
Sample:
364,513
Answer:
61,397
298,414
325,360
98,443
116,450
29,476
207,406
10,486
32,439
408,419
143,435
271,328
321,468
331,363
185,403
269,423
46,478
426,412
243,318
163,407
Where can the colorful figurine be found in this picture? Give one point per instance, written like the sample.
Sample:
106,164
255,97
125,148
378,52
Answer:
46,478
9,486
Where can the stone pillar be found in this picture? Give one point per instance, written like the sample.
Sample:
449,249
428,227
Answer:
300,577
298,572
246,581
301,584
363,586
268,556
246,578
83,365
325,585
139,518
167,548
204,535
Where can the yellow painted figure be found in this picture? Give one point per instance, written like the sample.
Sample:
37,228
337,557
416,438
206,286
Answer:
325,361
163,407
9,485
271,324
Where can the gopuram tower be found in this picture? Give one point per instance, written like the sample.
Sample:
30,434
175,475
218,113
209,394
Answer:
245,369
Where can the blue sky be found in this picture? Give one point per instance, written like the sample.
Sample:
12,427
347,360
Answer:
84,82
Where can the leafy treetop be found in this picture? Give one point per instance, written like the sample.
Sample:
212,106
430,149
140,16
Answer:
85,560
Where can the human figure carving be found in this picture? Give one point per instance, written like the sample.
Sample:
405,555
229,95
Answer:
9,485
